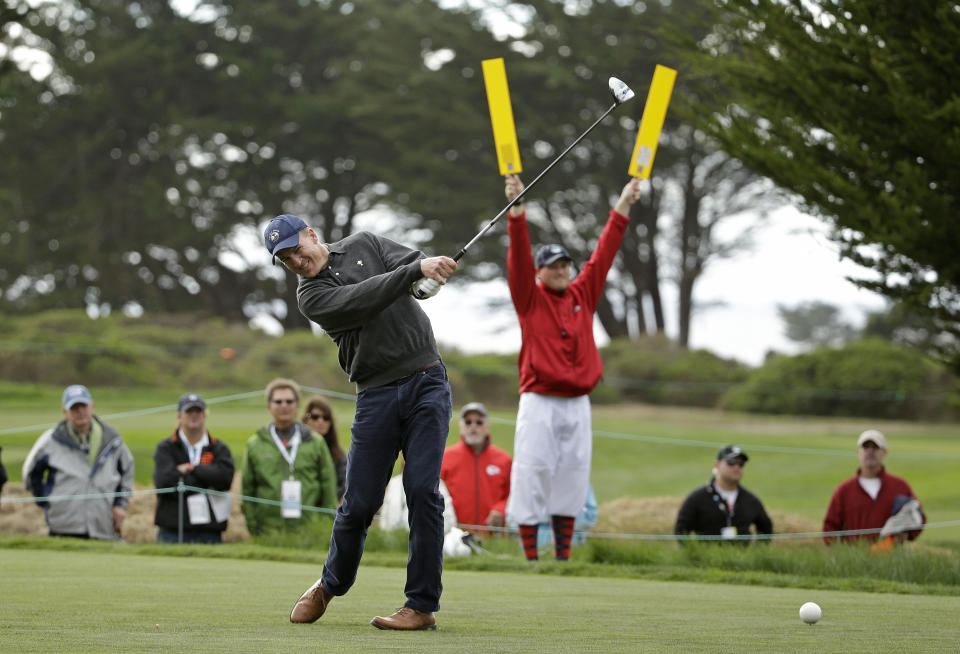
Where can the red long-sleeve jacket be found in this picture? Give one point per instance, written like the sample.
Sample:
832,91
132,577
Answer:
558,355
478,483
851,507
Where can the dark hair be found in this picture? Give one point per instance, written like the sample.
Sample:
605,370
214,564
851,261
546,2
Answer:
333,443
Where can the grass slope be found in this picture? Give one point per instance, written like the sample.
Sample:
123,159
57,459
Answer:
639,451
55,601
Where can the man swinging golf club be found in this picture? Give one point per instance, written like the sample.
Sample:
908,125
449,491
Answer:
359,291
559,365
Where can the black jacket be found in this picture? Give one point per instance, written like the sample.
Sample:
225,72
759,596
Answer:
704,512
3,473
215,472
362,301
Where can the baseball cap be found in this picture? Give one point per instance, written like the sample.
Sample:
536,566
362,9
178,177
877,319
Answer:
191,401
282,232
473,406
550,253
76,394
872,435
732,452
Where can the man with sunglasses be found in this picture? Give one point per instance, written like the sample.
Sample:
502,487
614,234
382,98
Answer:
286,462
722,507
477,472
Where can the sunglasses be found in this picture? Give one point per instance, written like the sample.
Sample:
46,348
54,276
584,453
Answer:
284,401
317,416
735,462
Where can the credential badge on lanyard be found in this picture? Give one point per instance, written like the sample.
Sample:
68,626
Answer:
290,489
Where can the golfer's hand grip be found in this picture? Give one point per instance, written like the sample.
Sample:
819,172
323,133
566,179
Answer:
424,288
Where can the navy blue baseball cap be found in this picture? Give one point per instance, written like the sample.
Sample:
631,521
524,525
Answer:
282,232
550,253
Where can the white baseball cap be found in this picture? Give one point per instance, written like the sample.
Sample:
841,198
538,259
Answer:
874,436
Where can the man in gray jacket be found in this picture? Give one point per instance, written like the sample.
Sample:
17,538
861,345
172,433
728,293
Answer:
82,455
359,291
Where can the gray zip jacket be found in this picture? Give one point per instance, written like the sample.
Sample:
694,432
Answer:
362,301
58,465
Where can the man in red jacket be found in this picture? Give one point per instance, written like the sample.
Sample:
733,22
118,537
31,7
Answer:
476,472
559,365
871,497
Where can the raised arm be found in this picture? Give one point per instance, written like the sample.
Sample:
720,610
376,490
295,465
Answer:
521,274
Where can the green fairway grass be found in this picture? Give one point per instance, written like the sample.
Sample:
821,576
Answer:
83,601
639,451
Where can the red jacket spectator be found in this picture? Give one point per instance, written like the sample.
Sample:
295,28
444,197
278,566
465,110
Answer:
852,508
478,483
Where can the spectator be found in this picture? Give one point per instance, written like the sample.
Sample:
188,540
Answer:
3,473
318,416
285,462
723,507
193,456
476,471
559,366
81,455
871,497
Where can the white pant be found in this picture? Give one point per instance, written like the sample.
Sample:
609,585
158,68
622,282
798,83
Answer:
551,458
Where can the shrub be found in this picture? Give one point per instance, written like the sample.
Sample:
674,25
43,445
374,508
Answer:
870,378
656,371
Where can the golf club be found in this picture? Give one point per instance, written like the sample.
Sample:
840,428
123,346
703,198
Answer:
427,287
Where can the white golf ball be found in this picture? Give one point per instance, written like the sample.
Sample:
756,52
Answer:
810,612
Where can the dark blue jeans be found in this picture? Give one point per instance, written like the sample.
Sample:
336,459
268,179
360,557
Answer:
411,416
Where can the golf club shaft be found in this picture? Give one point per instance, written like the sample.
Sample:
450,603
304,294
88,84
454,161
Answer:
459,255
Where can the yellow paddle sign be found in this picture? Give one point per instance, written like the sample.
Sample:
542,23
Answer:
501,116
651,123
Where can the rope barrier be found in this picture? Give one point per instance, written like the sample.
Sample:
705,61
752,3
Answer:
181,488
683,442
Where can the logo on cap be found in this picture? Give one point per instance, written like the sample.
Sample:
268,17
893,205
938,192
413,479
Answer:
274,235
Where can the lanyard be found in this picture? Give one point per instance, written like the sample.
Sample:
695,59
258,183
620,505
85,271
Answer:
194,453
290,456
725,508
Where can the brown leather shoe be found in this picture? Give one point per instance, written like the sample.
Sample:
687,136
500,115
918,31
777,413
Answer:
311,604
406,619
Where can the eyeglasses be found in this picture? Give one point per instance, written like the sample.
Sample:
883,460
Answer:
317,416
284,401
473,422
735,462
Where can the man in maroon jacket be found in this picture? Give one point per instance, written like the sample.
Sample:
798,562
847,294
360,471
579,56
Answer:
871,497
559,365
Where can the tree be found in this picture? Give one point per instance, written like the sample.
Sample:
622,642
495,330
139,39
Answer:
128,173
557,87
816,324
898,324
849,106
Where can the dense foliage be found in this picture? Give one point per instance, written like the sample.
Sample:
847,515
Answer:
137,172
863,378
852,106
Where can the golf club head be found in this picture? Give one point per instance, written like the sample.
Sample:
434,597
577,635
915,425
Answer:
620,91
